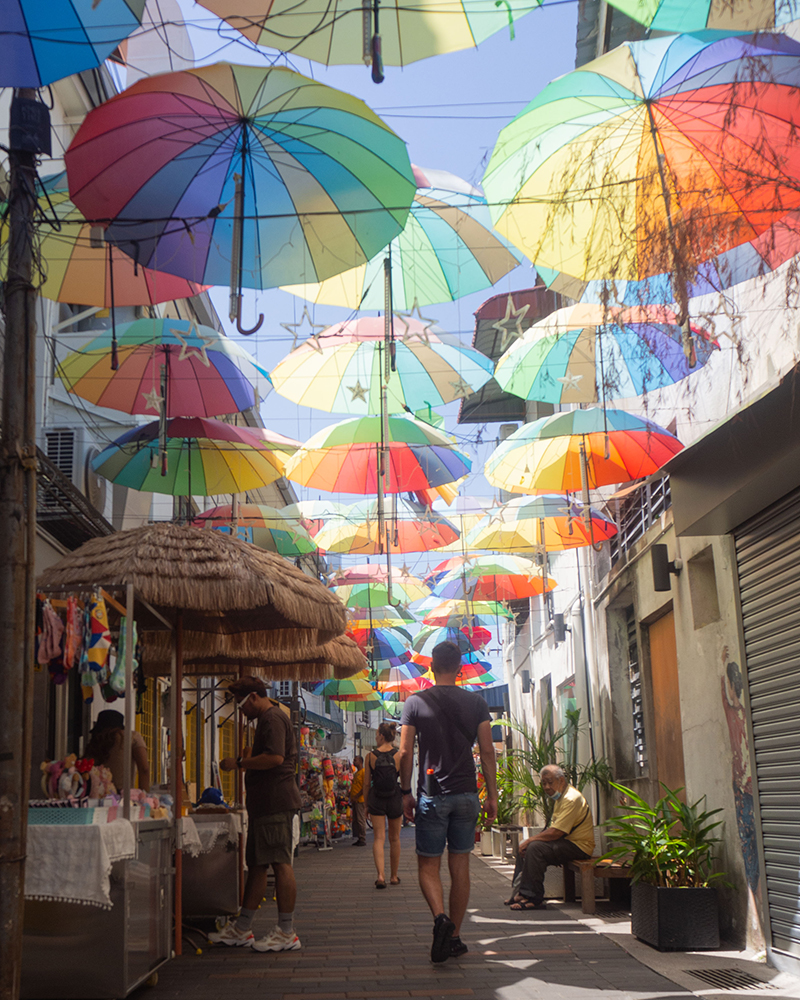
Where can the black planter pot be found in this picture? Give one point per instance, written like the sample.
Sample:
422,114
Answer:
675,919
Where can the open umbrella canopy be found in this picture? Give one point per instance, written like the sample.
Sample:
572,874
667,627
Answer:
429,637
267,526
371,573
313,514
494,578
326,184
79,269
341,369
44,42
384,647
653,158
343,458
380,616
447,249
712,15
207,373
402,681
545,455
203,458
589,353
551,521
412,527
357,686
456,613
365,595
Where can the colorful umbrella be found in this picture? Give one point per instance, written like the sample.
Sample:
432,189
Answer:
529,524
365,595
653,158
384,647
494,578
79,268
341,370
446,250
588,353
456,613
313,514
343,458
546,455
369,703
357,686
412,528
267,527
371,573
203,458
400,681
207,373
44,42
713,15
325,184
380,616
429,637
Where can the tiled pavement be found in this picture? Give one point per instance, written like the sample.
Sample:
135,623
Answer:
359,942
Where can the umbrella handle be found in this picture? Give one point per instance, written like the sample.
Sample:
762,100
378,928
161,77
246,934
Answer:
377,60
239,326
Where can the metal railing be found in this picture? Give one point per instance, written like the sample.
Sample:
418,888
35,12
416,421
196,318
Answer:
639,512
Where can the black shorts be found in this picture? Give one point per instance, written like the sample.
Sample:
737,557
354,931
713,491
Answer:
390,806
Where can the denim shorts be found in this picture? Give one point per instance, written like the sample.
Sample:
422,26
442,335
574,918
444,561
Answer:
449,819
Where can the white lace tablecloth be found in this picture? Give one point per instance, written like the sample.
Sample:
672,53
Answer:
72,864
201,836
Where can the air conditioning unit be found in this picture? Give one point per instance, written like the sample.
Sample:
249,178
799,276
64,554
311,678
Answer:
95,487
68,449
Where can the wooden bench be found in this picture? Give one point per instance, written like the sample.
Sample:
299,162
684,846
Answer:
589,870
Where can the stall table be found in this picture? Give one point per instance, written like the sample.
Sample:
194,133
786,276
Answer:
211,864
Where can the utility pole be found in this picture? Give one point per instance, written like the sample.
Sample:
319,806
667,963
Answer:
29,135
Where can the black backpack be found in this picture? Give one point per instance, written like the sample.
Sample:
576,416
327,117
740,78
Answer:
385,778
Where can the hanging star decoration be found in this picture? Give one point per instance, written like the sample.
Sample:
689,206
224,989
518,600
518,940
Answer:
497,513
189,350
153,400
358,392
569,381
510,326
294,329
405,572
461,389
409,335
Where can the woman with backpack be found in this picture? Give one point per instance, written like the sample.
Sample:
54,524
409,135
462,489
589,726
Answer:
384,798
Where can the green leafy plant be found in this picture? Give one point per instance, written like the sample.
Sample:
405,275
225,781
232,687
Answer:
671,843
522,764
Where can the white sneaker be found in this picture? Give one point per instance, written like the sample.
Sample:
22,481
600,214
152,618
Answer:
231,936
278,940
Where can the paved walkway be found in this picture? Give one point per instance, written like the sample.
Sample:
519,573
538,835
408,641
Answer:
359,942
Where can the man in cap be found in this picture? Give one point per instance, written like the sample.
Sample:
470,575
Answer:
272,801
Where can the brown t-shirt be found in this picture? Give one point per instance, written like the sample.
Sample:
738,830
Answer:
275,790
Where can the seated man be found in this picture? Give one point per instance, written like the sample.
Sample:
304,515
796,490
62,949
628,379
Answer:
569,837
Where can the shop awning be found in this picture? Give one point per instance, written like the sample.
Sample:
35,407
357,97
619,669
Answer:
321,722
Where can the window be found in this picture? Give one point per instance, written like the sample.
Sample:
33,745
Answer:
191,739
148,723
283,689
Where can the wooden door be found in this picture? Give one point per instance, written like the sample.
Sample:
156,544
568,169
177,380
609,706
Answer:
666,702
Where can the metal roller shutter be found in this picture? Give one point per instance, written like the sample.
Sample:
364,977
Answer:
768,558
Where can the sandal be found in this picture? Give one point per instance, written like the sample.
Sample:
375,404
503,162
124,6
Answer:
526,904
395,880
380,883
514,899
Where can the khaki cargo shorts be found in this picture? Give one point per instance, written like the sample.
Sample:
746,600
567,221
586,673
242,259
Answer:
270,840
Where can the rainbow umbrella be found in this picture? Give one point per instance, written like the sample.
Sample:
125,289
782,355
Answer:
203,458
402,681
447,249
588,353
413,527
44,42
206,373
455,613
365,595
494,578
473,671
430,637
529,524
313,514
78,268
371,573
383,646
267,527
343,458
653,158
341,369
324,183
357,686
369,703
381,616
711,15
546,455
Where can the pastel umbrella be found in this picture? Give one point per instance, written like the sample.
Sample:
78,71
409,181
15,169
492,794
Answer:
494,578
207,373
270,528
545,455
551,521
313,514
79,268
653,158
343,458
341,369
365,595
325,183
380,616
203,458
447,249
588,353
466,512
44,42
712,15
412,526
463,614
370,573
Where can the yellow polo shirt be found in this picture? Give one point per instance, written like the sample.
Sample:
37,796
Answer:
573,815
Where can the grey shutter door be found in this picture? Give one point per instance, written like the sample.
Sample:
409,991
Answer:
768,558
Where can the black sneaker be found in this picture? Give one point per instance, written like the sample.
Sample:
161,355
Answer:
443,928
457,947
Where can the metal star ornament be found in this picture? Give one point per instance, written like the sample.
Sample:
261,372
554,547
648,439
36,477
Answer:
569,381
461,389
153,400
510,326
358,392
422,337
294,329
188,350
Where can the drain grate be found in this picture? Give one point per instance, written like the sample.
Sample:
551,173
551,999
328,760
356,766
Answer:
729,979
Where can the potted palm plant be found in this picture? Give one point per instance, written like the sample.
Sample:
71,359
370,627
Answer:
670,847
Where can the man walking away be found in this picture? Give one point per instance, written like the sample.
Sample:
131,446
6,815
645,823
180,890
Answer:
447,720
357,806
569,837
272,802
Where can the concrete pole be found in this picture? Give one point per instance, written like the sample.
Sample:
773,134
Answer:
18,520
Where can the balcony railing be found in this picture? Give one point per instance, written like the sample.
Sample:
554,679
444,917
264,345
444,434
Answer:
638,513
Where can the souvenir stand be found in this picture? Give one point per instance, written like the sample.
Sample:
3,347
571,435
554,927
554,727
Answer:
217,594
325,788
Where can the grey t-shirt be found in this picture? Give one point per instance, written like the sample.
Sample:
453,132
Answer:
442,745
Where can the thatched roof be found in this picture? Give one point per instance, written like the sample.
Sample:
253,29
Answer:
208,655
221,584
